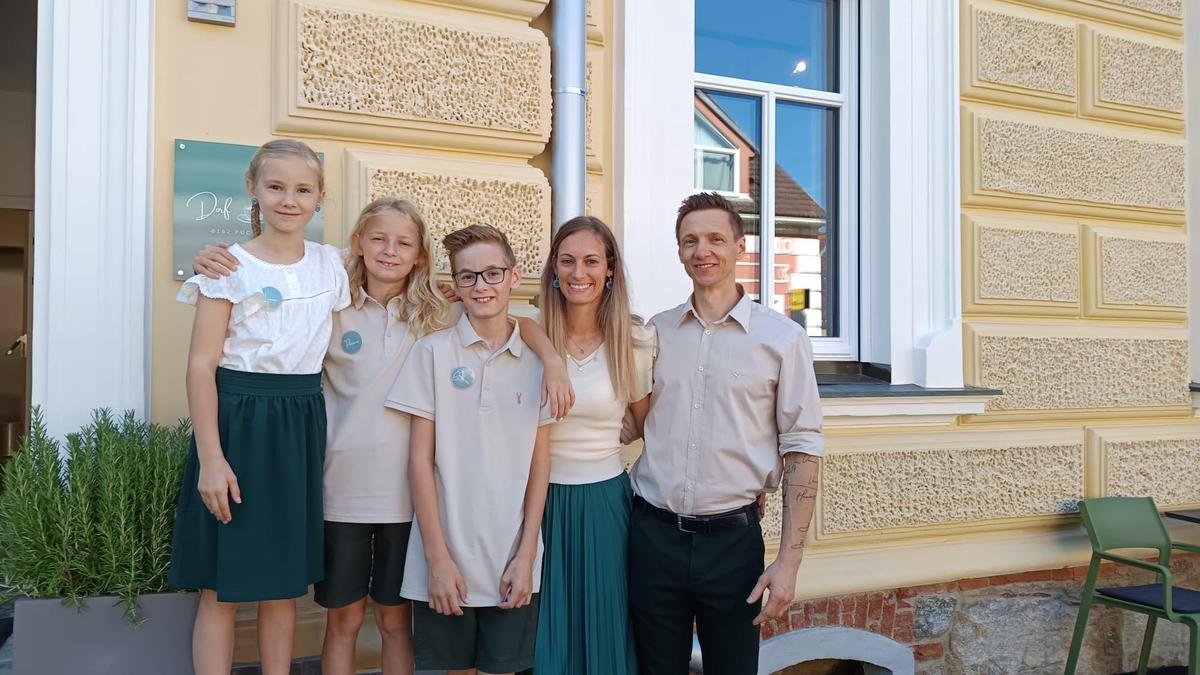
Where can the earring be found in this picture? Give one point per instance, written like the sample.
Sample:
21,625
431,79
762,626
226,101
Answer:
318,208
608,284
554,282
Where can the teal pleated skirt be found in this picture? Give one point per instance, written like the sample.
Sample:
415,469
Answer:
272,430
583,624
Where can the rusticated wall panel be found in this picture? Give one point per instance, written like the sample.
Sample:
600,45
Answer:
1052,372
1023,158
1024,52
877,490
1166,469
1138,73
1020,263
1143,272
451,202
377,64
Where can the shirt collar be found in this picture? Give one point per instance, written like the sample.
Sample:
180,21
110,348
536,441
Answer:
468,336
361,298
740,312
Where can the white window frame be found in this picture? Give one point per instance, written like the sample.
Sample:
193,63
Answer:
909,178
845,346
698,163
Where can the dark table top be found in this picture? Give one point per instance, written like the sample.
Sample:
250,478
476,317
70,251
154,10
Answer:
1190,515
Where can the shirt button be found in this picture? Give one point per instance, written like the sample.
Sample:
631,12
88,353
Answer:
692,446
708,331
701,369
696,406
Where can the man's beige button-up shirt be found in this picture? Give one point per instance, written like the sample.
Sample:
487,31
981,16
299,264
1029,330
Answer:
730,399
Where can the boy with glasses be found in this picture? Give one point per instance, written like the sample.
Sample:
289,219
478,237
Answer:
479,466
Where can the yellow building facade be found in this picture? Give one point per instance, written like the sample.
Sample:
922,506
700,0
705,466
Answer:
1040,344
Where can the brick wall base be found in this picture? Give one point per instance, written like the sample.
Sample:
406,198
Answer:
1008,623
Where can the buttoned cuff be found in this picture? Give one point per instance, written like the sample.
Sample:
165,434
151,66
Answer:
807,442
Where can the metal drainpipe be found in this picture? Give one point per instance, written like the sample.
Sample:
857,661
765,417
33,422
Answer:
568,158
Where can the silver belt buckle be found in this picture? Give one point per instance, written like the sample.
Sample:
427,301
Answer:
679,521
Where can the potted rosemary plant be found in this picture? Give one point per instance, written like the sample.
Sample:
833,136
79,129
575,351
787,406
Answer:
86,533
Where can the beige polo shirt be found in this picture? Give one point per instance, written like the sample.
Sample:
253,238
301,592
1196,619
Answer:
730,399
485,407
366,456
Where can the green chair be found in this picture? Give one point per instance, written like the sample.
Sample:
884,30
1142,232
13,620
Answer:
1133,522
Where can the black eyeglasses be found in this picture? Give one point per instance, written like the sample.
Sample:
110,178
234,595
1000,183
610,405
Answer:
468,278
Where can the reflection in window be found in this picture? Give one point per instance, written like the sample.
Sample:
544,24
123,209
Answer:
791,42
727,126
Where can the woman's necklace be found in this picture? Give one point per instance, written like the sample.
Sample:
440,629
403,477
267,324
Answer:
579,349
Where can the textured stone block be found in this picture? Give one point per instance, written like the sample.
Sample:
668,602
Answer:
1059,367
376,64
887,488
1167,469
1023,263
1139,73
456,193
1143,272
386,72
1025,52
1171,8
1021,158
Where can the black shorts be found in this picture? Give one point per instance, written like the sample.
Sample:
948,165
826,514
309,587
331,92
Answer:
490,639
362,559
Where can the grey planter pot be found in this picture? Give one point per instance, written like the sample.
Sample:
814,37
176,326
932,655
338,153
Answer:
50,637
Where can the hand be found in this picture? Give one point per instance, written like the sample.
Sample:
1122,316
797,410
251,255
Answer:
447,590
448,291
780,580
761,502
516,586
556,388
217,485
215,262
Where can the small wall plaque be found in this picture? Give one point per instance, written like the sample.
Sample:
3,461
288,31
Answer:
220,12
210,203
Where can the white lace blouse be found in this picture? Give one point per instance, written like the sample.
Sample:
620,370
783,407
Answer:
282,314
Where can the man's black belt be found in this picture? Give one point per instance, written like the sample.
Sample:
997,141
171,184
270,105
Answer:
729,520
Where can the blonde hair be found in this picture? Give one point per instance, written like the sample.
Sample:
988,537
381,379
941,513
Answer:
614,317
422,306
475,234
281,148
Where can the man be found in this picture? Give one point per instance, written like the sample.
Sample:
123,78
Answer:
735,401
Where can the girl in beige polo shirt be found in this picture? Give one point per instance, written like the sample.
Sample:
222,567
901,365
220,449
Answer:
367,505
583,626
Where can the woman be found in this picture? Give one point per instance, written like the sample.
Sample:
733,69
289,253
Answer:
583,625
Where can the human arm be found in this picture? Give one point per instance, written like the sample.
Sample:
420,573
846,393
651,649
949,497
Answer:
556,383
217,484
801,444
215,262
516,586
800,474
447,590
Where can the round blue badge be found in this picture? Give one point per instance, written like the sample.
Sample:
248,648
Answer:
462,377
273,297
351,341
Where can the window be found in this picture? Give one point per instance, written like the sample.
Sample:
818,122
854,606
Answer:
775,131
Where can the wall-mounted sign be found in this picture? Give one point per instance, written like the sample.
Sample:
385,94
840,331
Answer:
210,203
220,12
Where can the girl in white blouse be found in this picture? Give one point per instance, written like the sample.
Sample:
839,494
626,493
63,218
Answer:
583,626
248,527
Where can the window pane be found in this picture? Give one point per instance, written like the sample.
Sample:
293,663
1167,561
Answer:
792,42
716,171
738,119
805,262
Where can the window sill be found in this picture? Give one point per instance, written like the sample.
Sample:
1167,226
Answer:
879,404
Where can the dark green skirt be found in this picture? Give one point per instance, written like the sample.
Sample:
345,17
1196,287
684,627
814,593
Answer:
583,625
272,429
